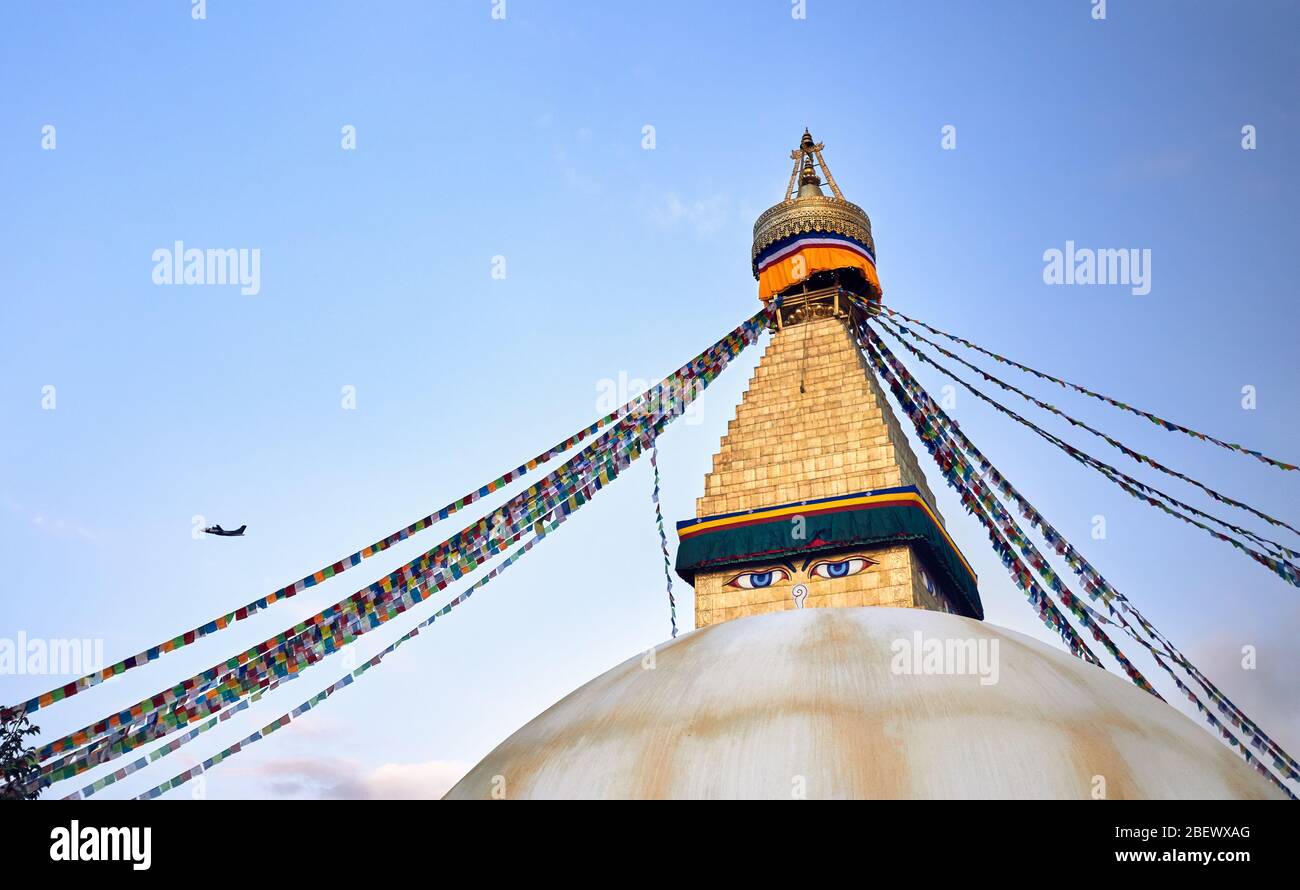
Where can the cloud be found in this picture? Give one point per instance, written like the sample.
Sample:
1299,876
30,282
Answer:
341,779
1269,692
63,528
51,525
703,215
317,727
1151,168
577,176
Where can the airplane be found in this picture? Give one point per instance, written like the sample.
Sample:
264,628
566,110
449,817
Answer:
225,533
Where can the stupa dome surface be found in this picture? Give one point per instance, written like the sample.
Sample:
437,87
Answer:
811,702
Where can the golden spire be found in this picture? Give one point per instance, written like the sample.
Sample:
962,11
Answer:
807,155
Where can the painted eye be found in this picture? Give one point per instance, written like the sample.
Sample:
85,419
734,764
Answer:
841,569
751,580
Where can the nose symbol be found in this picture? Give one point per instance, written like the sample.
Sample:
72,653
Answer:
799,593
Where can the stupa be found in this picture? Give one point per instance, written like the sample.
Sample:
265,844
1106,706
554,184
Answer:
839,649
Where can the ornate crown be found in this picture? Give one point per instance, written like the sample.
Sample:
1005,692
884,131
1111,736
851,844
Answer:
809,210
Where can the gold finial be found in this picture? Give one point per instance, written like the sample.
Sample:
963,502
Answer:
809,181
807,160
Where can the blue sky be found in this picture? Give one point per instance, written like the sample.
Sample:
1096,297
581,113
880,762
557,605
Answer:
522,138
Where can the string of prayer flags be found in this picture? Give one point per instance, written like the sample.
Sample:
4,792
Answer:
284,720
346,621
1136,455
163,750
1098,588
1136,488
701,372
310,641
1158,421
1008,526
957,477
669,390
663,538
1137,678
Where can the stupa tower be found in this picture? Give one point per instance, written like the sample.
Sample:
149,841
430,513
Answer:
815,497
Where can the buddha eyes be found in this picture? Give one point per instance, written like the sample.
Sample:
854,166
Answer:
751,580
827,569
842,569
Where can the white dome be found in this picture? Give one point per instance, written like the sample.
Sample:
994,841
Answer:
812,701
